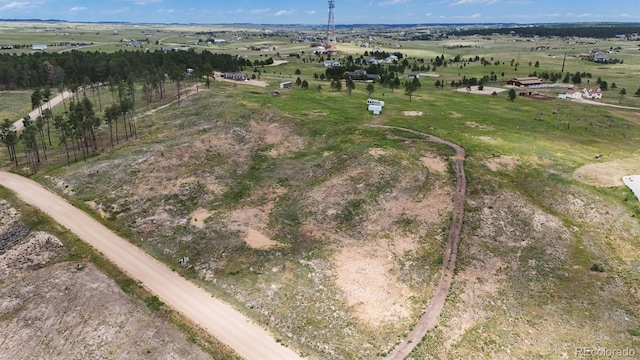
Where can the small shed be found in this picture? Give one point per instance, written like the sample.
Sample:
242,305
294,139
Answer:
39,47
286,85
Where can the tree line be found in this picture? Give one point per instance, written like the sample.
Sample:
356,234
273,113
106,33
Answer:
601,31
80,68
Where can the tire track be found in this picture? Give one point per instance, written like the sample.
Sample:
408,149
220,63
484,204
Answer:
429,318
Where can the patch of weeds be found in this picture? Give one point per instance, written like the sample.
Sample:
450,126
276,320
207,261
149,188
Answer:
287,217
597,268
634,331
406,223
154,303
352,210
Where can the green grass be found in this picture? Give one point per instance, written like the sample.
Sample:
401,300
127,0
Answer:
550,139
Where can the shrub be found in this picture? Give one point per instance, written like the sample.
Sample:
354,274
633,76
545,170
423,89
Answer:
597,267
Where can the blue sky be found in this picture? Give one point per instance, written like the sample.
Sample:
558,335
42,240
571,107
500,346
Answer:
315,11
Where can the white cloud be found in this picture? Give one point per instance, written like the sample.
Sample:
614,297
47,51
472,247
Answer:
311,12
76,9
475,16
473,2
392,2
16,5
284,13
259,11
145,2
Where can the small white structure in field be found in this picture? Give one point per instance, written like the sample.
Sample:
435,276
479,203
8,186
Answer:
376,109
633,183
375,102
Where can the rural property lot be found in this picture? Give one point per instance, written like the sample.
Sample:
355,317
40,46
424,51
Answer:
228,325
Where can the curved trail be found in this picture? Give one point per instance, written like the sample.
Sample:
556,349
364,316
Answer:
432,313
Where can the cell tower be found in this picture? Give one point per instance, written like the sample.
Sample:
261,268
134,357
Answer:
331,26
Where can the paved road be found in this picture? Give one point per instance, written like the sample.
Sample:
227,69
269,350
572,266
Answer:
429,318
221,320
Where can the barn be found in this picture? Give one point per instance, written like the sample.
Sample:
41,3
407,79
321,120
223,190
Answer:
525,82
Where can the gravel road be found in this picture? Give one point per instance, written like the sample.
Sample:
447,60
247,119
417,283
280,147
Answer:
220,319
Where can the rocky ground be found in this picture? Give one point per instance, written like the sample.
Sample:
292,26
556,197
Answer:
57,310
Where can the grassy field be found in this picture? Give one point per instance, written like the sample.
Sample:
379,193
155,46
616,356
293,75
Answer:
547,263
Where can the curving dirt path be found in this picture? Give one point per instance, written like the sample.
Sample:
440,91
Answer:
249,340
432,313
597,103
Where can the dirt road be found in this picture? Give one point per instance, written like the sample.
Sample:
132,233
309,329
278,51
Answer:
18,125
225,323
591,102
430,317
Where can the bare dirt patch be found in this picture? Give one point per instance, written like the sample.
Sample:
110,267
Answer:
474,124
412,113
434,163
487,90
198,217
378,152
504,162
364,275
607,174
59,312
257,240
455,114
478,282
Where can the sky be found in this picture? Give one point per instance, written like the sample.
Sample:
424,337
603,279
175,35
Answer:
315,11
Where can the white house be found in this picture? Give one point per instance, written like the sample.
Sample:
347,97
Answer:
562,95
39,47
331,63
285,85
592,93
391,59
573,94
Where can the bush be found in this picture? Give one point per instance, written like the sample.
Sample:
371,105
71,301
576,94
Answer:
597,267
154,303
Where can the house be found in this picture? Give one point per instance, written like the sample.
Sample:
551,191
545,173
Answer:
286,85
562,95
39,47
331,63
601,58
592,93
525,82
219,41
574,94
166,48
6,47
234,76
414,74
391,59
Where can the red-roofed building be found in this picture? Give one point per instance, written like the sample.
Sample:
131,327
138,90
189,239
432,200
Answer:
525,82
592,93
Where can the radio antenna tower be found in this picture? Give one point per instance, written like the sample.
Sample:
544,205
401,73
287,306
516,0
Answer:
331,26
